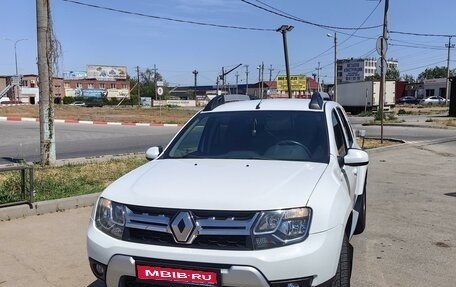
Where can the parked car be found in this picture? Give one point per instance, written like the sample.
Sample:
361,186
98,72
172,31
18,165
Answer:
264,192
408,100
77,103
434,100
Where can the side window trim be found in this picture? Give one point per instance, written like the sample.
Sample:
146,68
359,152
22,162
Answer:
338,125
346,127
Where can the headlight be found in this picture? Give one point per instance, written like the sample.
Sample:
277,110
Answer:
281,227
110,217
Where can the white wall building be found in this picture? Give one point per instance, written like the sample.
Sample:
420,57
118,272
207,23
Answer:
355,70
434,87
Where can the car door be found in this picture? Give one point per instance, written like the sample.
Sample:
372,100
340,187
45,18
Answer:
344,140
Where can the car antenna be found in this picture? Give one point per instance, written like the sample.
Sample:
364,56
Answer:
258,106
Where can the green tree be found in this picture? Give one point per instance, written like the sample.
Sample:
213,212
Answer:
435,73
147,80
392,74
408,78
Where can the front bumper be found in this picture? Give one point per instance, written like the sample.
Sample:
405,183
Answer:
316,258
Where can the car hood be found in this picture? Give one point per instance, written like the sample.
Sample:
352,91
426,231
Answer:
214,184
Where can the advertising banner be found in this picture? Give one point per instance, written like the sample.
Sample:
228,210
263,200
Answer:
106,72
298,83
353,71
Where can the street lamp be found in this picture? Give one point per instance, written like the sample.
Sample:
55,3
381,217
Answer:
15,50
284,29
16,89
335,64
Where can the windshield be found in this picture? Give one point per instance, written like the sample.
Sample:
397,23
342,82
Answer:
271,135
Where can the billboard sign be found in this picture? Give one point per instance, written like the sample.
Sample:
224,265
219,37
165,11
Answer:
298,83
353,71
106,72
68,75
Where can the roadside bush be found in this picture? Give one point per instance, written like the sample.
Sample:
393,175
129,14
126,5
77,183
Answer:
404,112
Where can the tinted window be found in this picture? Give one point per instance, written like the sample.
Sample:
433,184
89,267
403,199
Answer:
277,135
339,134
346,126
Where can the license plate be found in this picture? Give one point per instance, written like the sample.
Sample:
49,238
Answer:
178,275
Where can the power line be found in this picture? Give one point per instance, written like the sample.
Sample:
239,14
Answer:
418,47
422,34
291,17
427,65
170,19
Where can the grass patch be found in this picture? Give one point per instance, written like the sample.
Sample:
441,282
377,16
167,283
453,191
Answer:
370,143
69,180
446,122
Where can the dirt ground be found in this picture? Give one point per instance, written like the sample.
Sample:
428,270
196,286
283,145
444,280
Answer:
107,113
135,114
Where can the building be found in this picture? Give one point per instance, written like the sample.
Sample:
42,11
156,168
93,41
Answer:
29,91
434,87
355,70
113,79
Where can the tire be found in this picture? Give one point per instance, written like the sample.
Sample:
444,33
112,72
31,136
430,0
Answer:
361,207
344,268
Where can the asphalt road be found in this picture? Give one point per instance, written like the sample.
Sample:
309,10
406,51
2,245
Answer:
410,239
21,139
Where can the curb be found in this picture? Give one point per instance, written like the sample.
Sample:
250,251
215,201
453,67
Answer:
71,121
411,126
49,206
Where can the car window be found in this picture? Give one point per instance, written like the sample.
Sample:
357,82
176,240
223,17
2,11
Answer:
271,135
339,134
346,126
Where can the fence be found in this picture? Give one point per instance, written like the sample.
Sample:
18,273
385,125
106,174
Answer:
26,193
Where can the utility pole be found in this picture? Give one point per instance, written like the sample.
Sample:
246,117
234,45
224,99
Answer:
270,73
139,89
259,81
195,74
335,67
383,47
318,76
262,79
246,79
155,82
223,75
45,73
237,79
447,95
284,29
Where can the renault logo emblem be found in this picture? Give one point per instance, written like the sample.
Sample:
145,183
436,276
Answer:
182,227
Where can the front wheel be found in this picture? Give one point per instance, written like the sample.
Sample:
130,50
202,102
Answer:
342,278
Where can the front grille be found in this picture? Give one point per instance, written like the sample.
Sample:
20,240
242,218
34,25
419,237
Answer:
226,230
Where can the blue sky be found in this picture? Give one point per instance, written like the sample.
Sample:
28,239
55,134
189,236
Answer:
94,36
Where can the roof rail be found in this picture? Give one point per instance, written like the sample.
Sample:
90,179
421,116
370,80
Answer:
316,102
221,99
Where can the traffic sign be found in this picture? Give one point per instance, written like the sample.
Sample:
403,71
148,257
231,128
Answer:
380,41
160,91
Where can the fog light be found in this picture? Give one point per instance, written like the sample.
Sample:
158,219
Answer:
101,270
98,269
301,282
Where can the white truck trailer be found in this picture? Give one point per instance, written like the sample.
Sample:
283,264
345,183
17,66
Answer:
357,97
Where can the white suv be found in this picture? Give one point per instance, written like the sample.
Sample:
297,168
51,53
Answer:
248,193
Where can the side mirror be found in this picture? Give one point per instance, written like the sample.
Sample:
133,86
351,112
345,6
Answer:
356,157
153,152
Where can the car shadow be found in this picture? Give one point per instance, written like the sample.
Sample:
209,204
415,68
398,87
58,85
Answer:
96,283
